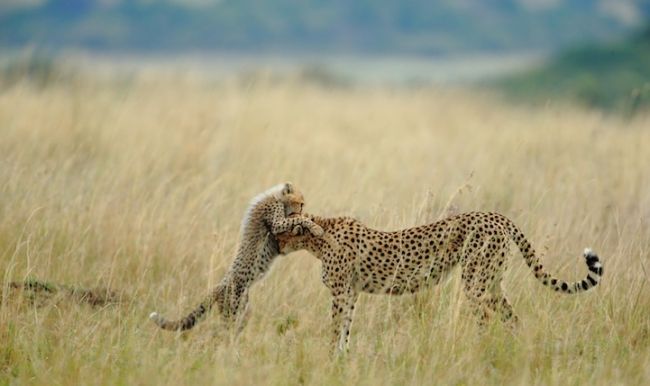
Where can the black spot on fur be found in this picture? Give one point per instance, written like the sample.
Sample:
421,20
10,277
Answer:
592,281
597,270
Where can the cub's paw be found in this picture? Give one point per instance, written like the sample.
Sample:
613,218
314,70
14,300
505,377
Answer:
317,231
297,230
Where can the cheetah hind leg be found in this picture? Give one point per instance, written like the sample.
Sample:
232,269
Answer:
497,304
504,309
487,304
480,309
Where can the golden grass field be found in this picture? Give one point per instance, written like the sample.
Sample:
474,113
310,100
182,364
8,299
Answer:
140,186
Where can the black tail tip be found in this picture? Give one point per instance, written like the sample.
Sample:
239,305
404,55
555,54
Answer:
593,262
590,256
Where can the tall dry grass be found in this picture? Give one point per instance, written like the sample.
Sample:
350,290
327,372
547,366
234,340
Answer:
140,186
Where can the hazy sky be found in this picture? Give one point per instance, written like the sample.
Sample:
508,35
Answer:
625,11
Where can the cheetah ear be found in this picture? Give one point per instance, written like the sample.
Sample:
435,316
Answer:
288,188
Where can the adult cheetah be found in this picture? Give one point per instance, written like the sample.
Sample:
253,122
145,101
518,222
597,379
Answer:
405,261
267,215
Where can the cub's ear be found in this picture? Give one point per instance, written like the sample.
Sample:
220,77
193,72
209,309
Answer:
288,188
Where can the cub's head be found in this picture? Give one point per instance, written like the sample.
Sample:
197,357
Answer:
292,199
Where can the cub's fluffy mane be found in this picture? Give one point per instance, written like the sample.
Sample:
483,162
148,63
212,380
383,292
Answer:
274,191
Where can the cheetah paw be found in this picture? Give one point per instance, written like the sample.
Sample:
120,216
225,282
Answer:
317,231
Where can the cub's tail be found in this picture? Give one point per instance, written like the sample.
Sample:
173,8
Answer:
594,266
191,319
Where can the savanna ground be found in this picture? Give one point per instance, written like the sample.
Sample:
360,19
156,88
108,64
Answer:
139,184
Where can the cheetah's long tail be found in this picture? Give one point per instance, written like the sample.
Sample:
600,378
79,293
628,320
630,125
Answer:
593,265
190,320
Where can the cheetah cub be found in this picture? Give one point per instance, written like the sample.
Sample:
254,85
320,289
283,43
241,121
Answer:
274,211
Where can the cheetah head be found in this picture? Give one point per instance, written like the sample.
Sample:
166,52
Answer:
288,242
292,199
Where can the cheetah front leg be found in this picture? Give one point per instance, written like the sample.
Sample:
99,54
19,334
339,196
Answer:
281,224
342,313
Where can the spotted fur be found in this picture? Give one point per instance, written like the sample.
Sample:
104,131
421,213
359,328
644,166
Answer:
267,215
407,260
37,289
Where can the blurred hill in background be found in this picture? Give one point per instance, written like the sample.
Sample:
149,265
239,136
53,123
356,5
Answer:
339,26
594,52
610,76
